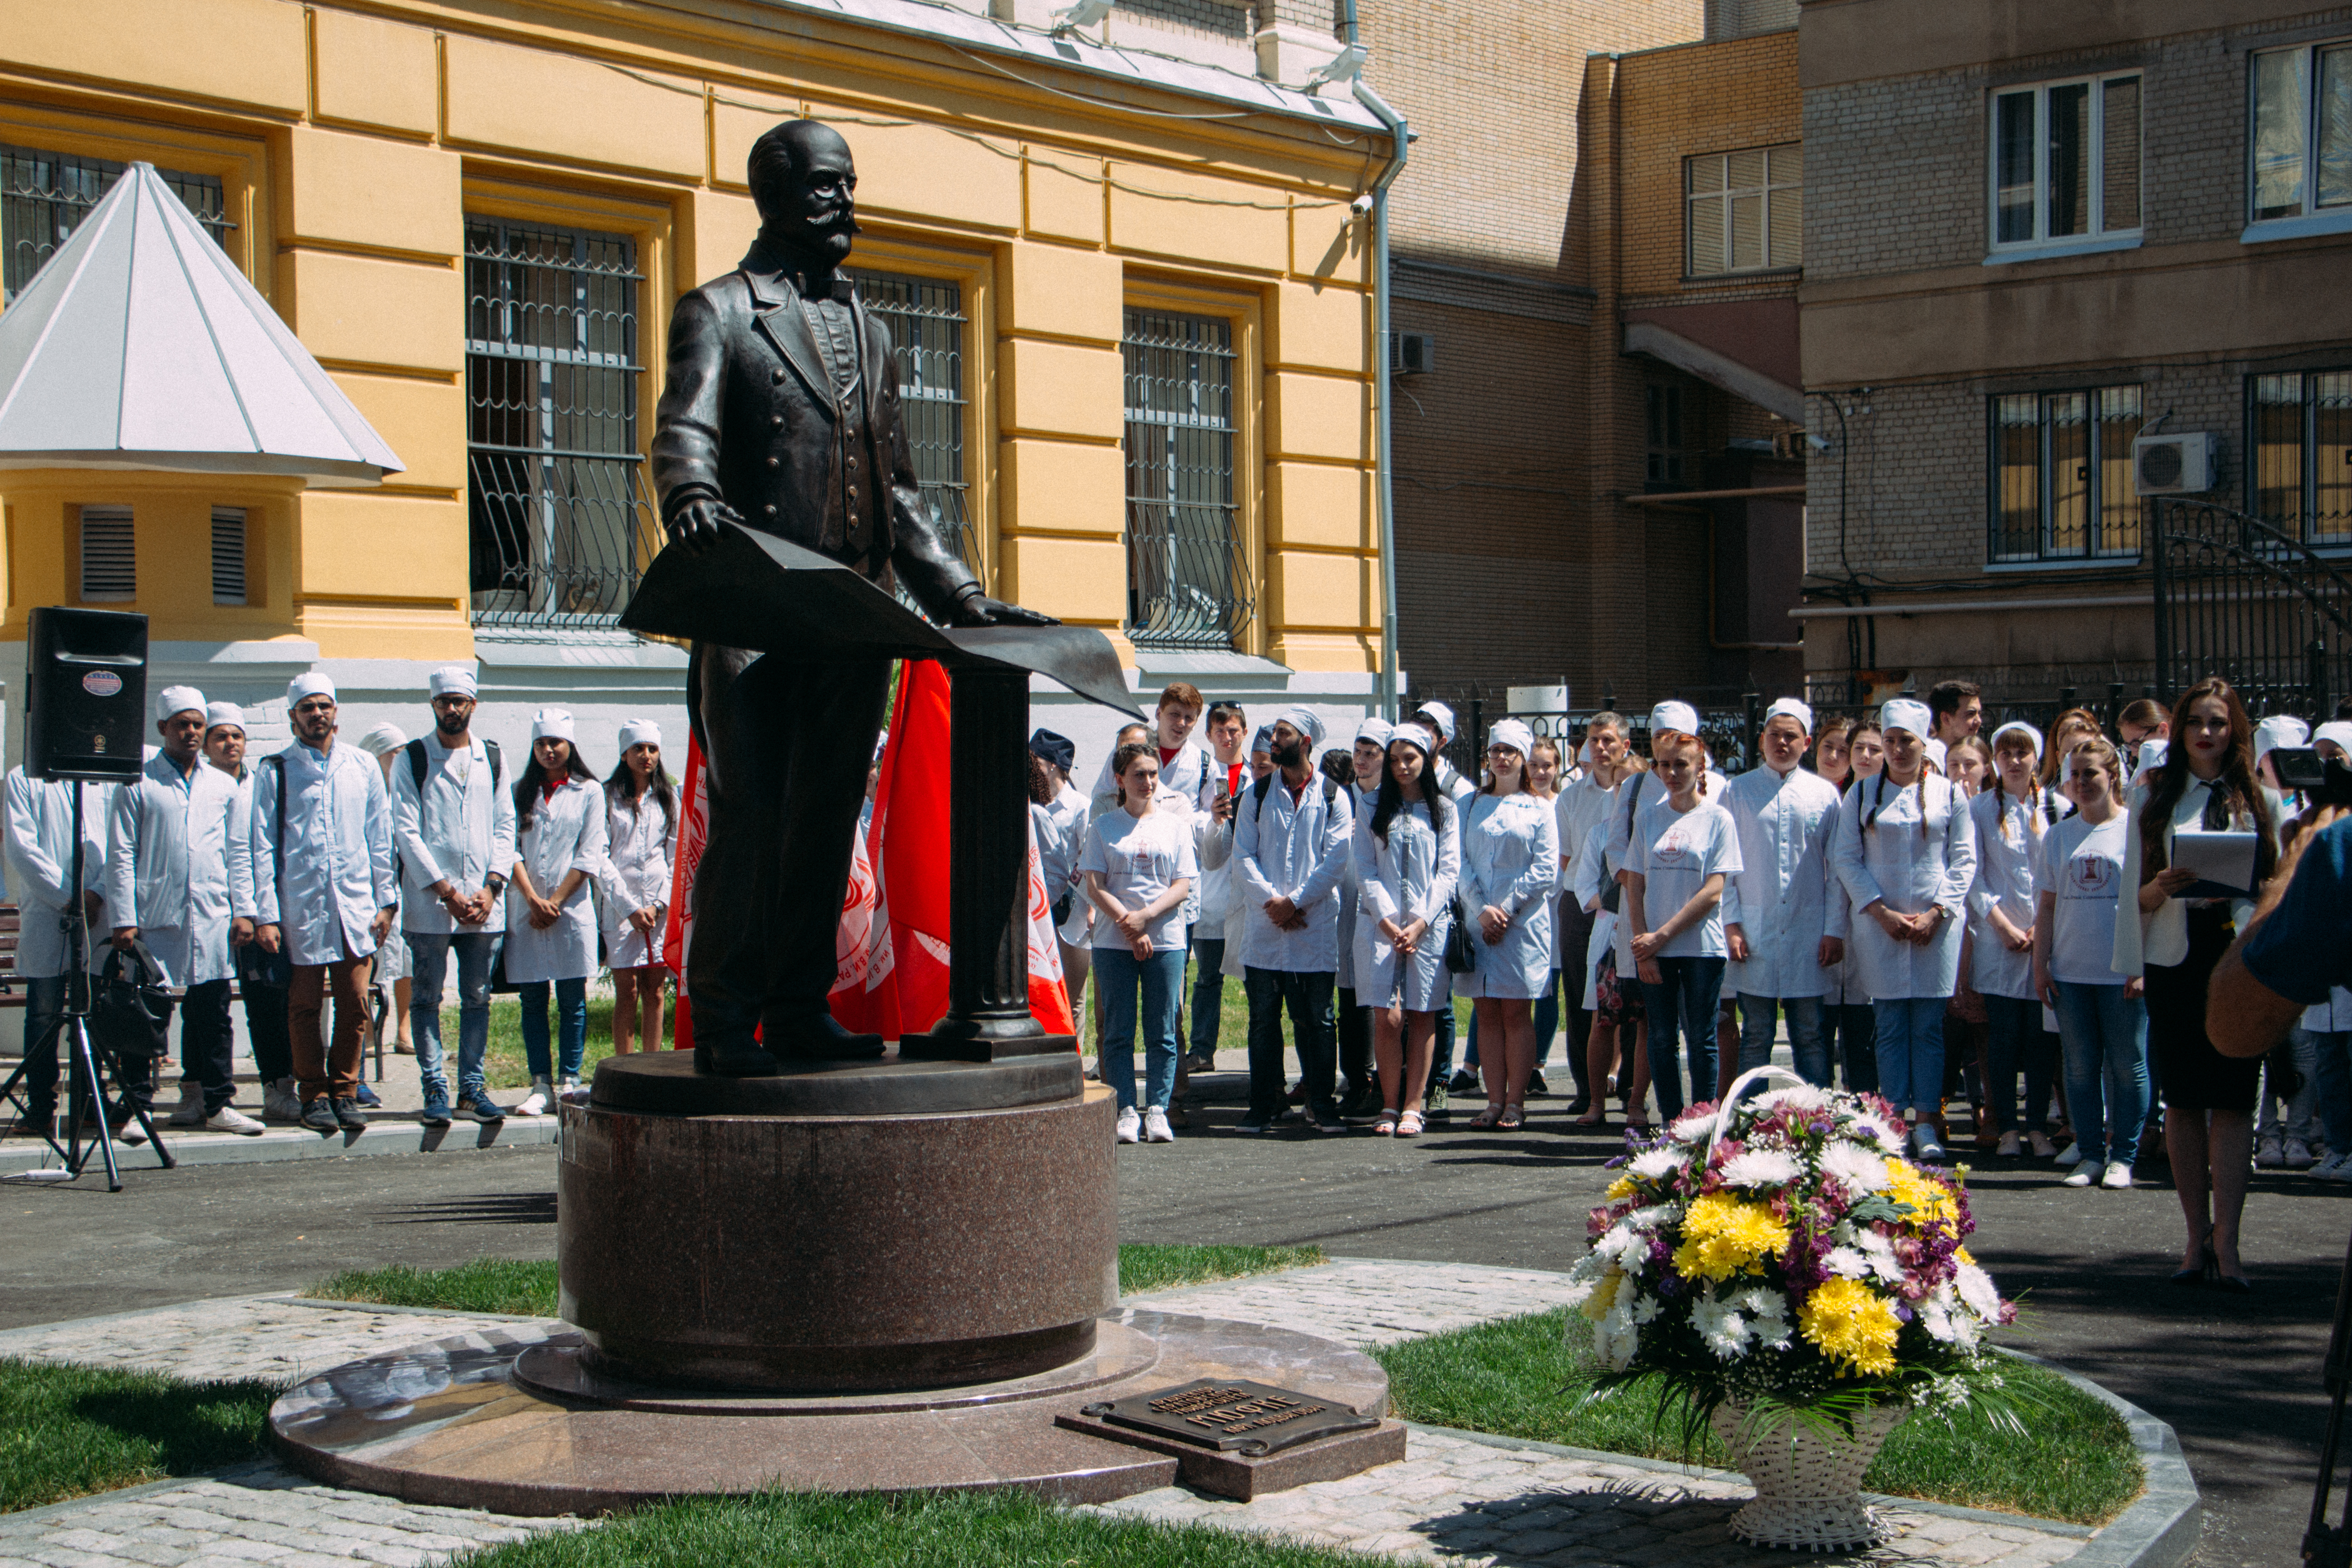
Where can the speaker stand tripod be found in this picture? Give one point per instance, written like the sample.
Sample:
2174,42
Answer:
84,1087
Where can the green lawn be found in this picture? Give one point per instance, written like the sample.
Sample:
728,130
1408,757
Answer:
527,1288
69,1431
1516,1378
950,1530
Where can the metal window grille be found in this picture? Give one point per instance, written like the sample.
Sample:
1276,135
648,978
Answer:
109,562
560,521
2059,484
927,329
1188,583
228,555
44,196
2299,429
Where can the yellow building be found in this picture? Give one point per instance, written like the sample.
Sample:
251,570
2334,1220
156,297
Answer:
1132,299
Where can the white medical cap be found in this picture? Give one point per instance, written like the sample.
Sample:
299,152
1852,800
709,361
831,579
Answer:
385,737
177,700
1679,717
1304,721
1511,732
639,732
453,681
219,713
310,683
1802,712
1906,713
550,724
1375,730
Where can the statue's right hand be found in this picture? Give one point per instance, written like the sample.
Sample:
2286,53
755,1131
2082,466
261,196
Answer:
694,527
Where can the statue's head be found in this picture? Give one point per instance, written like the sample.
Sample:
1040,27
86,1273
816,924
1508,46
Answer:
805,185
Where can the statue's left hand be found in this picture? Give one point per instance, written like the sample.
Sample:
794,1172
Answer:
979,610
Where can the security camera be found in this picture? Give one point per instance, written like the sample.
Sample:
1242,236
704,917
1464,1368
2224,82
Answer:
1363,205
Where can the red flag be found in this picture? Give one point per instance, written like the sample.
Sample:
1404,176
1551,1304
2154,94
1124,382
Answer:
677,932
909,842
1049,996
864,995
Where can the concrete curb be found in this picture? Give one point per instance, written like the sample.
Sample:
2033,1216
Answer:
401,1136
131,1493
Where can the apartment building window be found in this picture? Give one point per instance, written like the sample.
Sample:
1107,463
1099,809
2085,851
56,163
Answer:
2066,163
2301,135
1746,210
2060,482
109,562
44,196
926,328
1187,581
556,497
2299,429
228,555
1662,417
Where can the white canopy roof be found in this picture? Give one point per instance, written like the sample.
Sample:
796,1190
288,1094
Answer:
140,345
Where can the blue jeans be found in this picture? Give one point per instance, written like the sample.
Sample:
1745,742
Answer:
1306,994
2104,1034
1682,1009
428,966
1756,1016
2331,1071
1208,990
571,1022
2015,1037
1911,1052
1441,1049
1119,975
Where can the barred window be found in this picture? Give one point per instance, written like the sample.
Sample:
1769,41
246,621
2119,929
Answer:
1188,584
1747,210
44,196
228,555
927,329
2066,162
109,562
2299,429
2061,474
557,509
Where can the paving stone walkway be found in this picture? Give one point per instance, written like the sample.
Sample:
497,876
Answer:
1451,1500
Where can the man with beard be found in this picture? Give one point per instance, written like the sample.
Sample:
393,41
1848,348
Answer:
453,826
1291,837
781,415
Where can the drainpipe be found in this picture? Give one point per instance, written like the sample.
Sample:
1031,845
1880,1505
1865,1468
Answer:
1386,489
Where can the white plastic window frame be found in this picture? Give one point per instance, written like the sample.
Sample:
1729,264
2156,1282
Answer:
2312,219
1723,195
2099,238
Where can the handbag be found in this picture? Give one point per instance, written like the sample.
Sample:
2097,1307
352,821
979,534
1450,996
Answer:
1461,947
127,1017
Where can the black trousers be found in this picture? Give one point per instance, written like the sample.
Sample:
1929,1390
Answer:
207,1046
786,747
263,977
1355,1024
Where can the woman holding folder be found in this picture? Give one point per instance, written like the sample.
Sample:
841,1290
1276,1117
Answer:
2206,785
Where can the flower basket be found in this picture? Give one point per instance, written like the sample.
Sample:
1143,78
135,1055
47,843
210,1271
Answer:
1807,1480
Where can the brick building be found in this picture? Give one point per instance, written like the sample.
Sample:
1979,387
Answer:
2034,233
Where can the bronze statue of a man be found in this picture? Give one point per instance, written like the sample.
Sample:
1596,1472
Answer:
781,415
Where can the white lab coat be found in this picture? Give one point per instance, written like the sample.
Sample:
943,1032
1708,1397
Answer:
40,861
1582,802
2009,840
1071,815
1293,849
1587,883
1350,889
459,828
1412,877
1911,865
325,884
175,867
1214,893
639,841
565,834
1510,859
1780,896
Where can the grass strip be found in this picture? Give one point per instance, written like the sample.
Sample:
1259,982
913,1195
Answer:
1516,1378
527,1288
69,1431
921,1530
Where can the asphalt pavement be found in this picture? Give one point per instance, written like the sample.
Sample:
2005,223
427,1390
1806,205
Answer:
2238,1376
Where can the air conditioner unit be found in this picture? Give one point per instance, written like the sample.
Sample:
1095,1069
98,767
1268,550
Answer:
2175,464
1411,354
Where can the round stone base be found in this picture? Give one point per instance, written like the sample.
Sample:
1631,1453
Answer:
451,1423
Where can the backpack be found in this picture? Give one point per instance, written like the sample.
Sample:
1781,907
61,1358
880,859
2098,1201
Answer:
418,764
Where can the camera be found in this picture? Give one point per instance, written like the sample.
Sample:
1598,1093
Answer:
2323,781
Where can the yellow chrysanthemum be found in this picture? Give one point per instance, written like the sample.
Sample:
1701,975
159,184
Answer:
1962,1254
1622,1187
1930,1200
1852,1324
1604,1295
1723,1236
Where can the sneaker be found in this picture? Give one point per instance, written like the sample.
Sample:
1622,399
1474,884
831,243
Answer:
2268,1156
482,1108
34,1124
1155,1127
367,1099
2080,1178
403,1047
1201,1061
2039,1143
2335,1168
1923,1141
1536,1084
320,1117
1298,1095
126,1129
1252,1125
2117,1178
436,1110
535,1102
229,1119
280,1100
1433,1105
1130,1125
2071,1156
1324,1121
347,1115
2010,1147
1464,1082
2299,1155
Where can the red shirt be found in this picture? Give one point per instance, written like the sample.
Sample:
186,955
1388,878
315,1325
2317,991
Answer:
1168,754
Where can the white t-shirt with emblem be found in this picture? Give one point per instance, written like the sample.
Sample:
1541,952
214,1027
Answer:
2083,866
1139,858
1677,852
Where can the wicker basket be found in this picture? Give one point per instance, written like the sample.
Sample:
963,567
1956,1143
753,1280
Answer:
1807,1487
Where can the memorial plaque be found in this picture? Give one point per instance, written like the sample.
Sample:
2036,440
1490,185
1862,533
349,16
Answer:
1233,1416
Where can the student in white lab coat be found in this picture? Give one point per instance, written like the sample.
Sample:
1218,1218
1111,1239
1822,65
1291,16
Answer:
1906,850
560,850
1359,1079
1782,930
2012,812
1510,859
387,743
1408,857
641,810
323,884
1229,770
40,829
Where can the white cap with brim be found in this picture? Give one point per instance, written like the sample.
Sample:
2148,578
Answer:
175,699
1677,717
1906,713
550,724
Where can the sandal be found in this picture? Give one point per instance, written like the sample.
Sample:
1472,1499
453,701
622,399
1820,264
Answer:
1489,1118
1385,1124
1408,1124
1595,1123
1513,1118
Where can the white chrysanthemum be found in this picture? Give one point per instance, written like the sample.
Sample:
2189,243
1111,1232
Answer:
1646,1308
1656,1165
1625,1245
1760,1168
1887,1137
1720,1326
1589,1268
1805,1099
1858,1168
1850,1261
1977,1289
1615,1338
1881,1253
1692,1126
1768,1315
1651,1217
1935,1317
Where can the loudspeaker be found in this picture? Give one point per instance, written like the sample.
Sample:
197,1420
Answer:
86,695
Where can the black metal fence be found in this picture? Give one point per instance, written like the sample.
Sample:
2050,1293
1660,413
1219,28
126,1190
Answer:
2239,598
